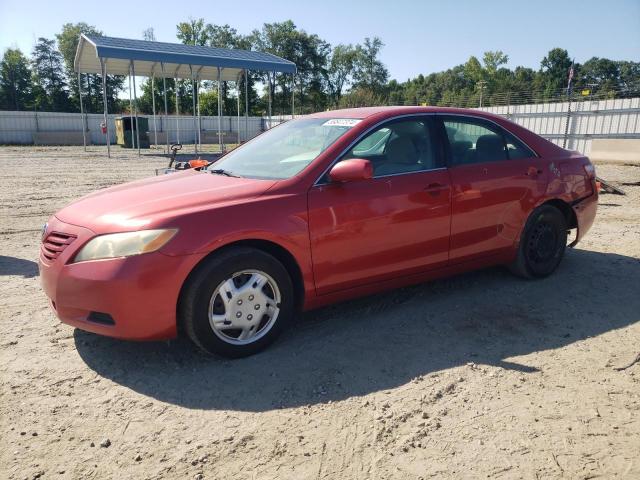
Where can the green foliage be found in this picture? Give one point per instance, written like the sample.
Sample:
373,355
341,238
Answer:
209,103
310,54
327,77
462,85
149,35
91,84
50,90
492,60
369,72
554,70
192,32
340,70
16,88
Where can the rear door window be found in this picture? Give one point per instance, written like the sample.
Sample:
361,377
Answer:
515,148
474,140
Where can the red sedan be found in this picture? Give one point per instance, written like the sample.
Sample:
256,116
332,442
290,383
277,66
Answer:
320,209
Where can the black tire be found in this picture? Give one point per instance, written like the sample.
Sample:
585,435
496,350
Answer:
542,244
194,305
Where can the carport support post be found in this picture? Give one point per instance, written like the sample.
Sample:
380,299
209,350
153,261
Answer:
293,95
166,106
135,107
220,111
193,102
175,79
199,117
238,85
103,68
197,78
133,140
82,116
246,106
153,105
269,109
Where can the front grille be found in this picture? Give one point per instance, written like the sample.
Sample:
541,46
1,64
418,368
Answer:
55,243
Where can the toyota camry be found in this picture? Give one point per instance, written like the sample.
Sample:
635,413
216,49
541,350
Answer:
318,210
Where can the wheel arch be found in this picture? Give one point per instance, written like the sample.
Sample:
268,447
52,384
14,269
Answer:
565,209
284,256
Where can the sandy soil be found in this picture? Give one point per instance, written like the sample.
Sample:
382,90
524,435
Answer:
481,375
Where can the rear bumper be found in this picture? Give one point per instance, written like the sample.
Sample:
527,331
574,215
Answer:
585,211
130,298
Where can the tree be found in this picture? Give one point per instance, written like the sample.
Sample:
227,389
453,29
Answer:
601,73
473,70
308,51
629,74
15,81
223,36
48,74
361,97
340,71
492,60
91,83
209,103
192,32
370,73
554,70
149,35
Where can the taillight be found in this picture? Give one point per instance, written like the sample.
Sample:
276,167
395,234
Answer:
591,170
591,174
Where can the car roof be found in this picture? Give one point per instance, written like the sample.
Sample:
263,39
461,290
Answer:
371,115
391,111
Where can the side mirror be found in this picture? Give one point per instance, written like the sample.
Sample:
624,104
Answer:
351,170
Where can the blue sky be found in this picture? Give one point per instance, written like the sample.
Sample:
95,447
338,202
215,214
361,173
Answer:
420,36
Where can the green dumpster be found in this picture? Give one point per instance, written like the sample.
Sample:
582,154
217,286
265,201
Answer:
126,131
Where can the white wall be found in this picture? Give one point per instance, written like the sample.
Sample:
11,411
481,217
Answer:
18,127
611,119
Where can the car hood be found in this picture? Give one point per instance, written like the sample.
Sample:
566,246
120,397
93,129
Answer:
153,201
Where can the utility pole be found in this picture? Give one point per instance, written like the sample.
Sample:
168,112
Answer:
481,85
569,94
591,87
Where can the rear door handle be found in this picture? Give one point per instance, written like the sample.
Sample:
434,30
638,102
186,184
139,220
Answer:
435,188
533,172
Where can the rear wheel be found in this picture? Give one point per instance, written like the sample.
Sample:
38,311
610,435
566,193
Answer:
237,302
542,244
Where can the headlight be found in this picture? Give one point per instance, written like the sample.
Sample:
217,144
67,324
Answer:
124,244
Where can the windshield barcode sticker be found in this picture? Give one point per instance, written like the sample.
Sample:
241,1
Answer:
341,122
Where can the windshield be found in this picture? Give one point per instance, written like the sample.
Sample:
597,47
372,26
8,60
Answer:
285,150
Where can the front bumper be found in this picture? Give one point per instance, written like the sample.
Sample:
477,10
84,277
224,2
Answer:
137,295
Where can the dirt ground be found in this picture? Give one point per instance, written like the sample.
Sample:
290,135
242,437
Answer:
481,375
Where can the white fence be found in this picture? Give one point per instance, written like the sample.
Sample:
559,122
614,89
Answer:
588,120
20,127
610,119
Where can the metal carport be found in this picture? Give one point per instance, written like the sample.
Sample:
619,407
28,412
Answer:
119,56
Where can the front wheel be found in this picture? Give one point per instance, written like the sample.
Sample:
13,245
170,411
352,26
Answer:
237,302
542,245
